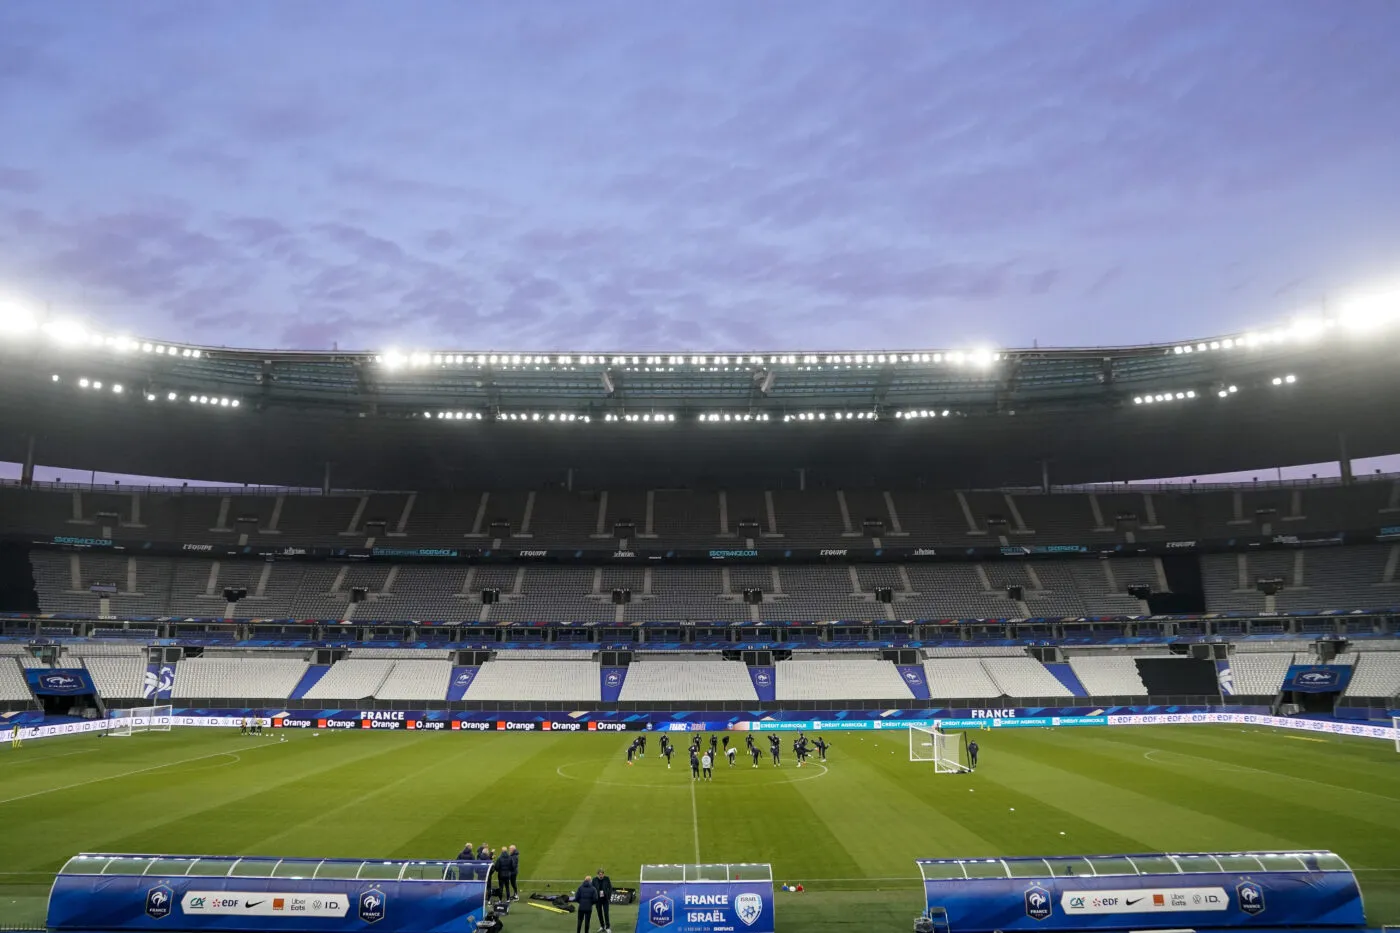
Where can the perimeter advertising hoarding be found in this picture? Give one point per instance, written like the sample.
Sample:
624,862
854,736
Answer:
1147,902
444,721
134,902
705,907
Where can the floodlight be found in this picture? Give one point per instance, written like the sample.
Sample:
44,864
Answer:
1277,380
68,333
117,388
83,383
1290,379
233,404
195,354
97,385
393,359
170,396
1137,400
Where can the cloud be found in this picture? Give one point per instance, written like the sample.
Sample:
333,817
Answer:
18,180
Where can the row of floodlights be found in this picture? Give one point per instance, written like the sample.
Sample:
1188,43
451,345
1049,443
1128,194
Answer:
1224,391
116,388
1357,314
21,323
395,359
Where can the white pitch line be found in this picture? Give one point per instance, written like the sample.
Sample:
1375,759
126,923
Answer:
113,777
695,822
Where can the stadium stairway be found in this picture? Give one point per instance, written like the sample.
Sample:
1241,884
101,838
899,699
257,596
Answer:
1065,675
313,675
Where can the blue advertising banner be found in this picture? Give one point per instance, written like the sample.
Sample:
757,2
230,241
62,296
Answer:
1078,900
914,679
119,902
60,682
734,906
462,678
612,680
765,683
1318,678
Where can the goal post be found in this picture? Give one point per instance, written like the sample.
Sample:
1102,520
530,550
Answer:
947,750
125,722
1395,721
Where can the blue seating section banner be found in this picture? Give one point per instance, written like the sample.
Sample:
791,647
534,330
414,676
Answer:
765,683
706,907
59,682
612,681
462,678
1318,678
117,903
914,678
1295,900
160,680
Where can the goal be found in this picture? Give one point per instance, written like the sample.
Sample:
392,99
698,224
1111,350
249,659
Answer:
140,719
947,750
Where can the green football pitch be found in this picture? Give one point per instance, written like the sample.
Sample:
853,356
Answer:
849,830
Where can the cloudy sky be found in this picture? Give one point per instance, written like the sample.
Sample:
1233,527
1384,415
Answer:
710,175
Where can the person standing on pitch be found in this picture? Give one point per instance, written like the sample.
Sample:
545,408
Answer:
706,762
972,755
694,765
585,897
668,750
753,751
514,873
604,886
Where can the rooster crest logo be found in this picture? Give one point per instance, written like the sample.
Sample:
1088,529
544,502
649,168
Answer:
371,905
1037,903
1251,897
159,901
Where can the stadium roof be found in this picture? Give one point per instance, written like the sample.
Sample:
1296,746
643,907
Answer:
495,419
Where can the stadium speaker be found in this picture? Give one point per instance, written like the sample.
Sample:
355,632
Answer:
884,594
1139,590
1016,591
233,594
358,594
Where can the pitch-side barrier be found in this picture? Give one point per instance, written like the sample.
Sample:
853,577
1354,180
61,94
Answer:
415,721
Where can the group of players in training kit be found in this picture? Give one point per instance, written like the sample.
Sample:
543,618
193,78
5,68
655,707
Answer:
702,760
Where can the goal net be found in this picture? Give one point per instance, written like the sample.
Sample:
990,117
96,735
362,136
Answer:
947,750
140,719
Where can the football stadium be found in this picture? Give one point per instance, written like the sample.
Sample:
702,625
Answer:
421,631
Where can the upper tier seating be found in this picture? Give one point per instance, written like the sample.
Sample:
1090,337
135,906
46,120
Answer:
812,518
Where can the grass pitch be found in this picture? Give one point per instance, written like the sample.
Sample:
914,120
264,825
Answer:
848,831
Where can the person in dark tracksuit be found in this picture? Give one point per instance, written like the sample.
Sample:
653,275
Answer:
972,755
514,893
501,869
585,897
694,766
668,750
753,750
483,854
822,746
467,854
604,886
775,748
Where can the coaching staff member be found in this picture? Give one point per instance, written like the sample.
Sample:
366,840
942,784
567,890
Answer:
604,886
586,897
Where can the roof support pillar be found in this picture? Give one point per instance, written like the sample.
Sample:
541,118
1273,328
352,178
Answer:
26,474
1045,476
1343,459
326,480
